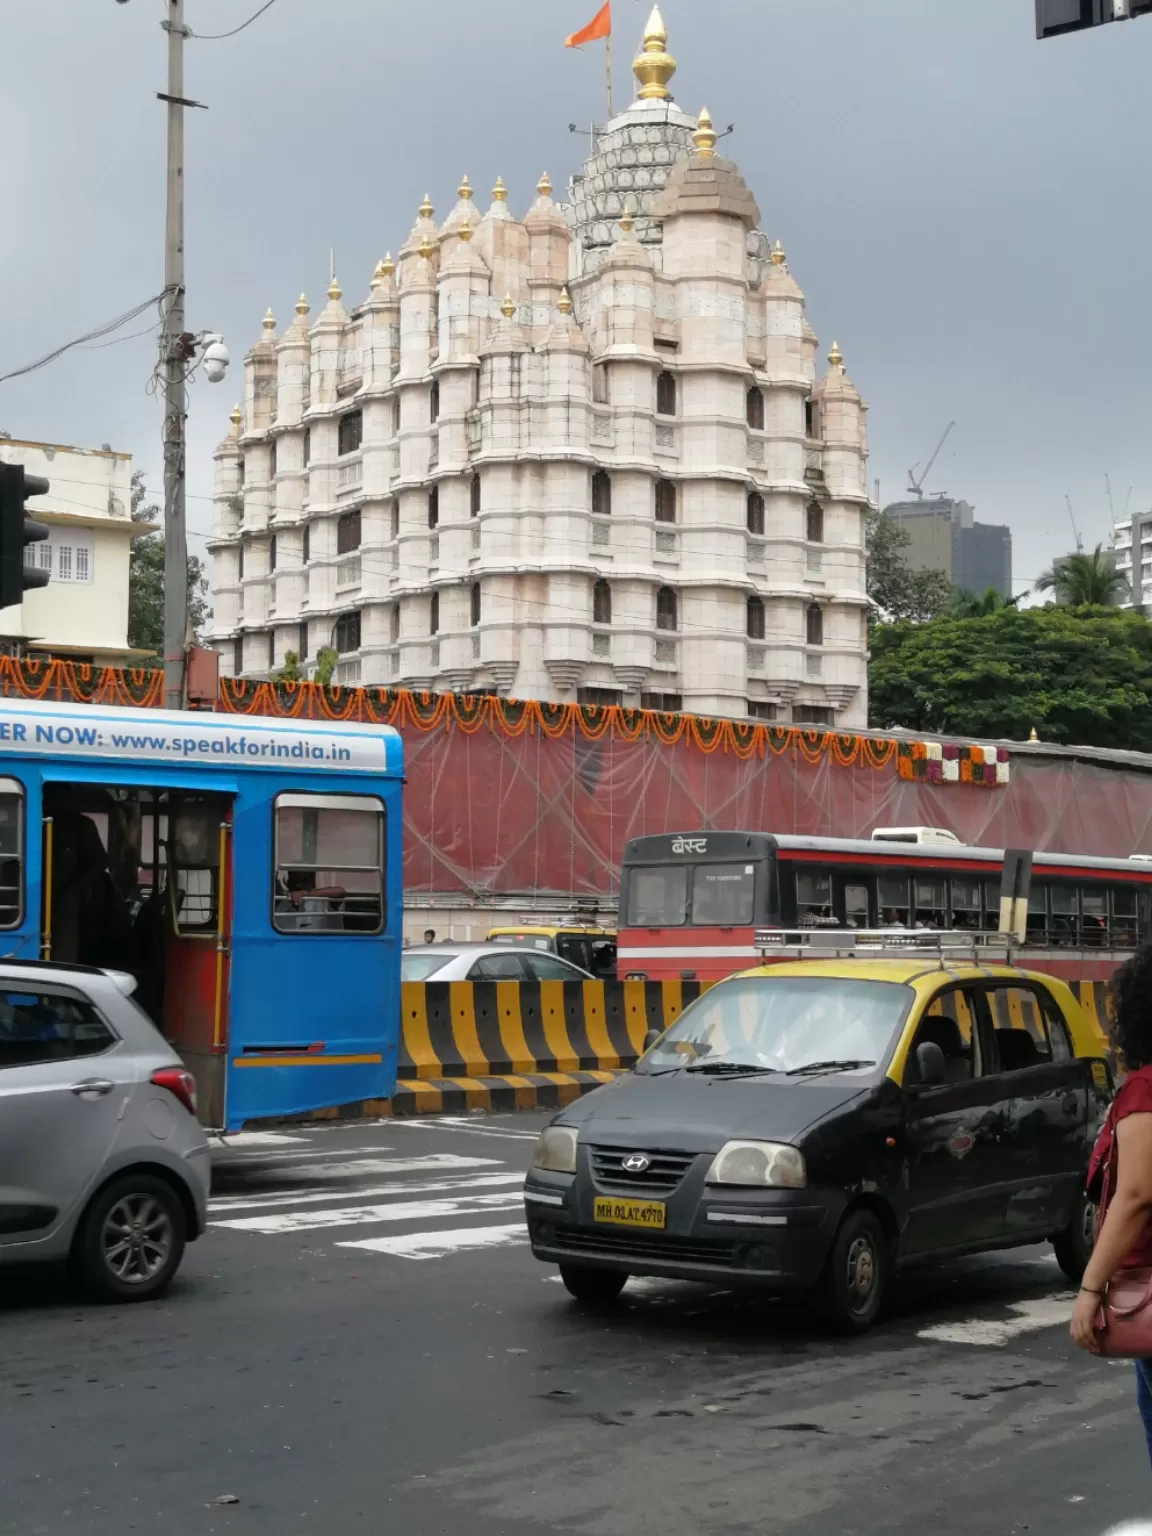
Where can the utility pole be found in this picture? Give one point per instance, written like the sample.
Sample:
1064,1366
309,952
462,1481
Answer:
174,361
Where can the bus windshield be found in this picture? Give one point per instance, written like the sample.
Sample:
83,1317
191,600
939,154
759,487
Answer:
784,1024
716,895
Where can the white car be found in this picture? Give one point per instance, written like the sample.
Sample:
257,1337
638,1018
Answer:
485,962
103,1162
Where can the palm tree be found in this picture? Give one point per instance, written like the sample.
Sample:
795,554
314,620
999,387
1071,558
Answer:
1081,581
967,605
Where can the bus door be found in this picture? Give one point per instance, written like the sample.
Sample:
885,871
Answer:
316,973
137,879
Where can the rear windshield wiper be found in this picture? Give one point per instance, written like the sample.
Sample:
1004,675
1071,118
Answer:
828,1066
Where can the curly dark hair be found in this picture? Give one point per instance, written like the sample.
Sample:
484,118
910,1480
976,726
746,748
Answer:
1130,996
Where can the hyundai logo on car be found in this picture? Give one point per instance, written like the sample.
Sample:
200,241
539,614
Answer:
637,1162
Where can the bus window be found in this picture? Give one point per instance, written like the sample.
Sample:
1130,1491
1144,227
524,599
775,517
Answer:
1124,917
856,906
1038,914
930,903
722,894
893,891
813,899
1094,916
1064,905
965,907
658,897
329,875
11,852
992,905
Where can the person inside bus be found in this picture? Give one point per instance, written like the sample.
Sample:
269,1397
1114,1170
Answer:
88,926
304,906
429,935
893,918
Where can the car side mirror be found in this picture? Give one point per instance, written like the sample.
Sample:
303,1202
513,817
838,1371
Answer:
651,1038
931,1063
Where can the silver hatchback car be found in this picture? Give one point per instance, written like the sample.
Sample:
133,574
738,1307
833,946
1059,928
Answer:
103,1162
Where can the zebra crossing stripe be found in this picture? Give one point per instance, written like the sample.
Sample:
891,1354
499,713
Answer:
228,1203
360,1215
439,1245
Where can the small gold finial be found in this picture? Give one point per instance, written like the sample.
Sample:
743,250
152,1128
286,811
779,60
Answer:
464,230
236,417
778,257
499,191
705,136
334,289
627,222
835,358
464,190
425,247
654,66
508,308
387,266
426,209
301,306
544,186
1032,736
269,321
564,302
378,275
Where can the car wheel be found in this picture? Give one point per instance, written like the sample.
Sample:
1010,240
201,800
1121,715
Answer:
856,1276
1074,1245
599,1286
130,1239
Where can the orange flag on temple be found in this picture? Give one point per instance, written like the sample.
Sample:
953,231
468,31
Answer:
599,26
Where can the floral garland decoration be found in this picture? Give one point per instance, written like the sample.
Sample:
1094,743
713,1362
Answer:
948,763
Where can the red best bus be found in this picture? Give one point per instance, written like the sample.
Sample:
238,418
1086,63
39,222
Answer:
690,903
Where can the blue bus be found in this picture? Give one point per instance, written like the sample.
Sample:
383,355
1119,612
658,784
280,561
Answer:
245,870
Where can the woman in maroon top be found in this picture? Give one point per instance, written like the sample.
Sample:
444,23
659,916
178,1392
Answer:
1124,1240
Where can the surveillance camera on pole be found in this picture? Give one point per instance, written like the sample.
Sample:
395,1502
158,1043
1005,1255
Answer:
215,356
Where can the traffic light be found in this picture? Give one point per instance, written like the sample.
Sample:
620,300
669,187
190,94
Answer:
17,531
1056,16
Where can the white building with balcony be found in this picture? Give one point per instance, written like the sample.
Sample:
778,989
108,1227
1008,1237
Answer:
82,614
583,455
1132,548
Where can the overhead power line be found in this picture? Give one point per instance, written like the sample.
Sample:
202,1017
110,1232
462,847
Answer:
101,330
215,37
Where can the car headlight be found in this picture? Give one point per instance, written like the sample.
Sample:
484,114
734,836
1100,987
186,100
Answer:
760,1164
556,1150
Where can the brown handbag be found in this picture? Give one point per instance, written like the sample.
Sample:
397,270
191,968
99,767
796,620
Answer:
1124,1321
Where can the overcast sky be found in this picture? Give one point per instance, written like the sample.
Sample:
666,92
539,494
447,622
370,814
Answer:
967,210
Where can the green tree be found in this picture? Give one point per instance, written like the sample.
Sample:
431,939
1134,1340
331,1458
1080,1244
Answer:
895,590
967,605
1085,581
326,659
1082,677
291,671
146,580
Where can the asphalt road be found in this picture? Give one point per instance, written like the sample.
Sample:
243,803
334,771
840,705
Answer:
405,1366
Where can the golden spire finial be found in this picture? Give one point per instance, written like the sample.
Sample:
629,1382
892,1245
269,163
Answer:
654,66
499,191
387,266
301,306
835,359
464,230
1032,736
705,136
334,289
508,308
627,222
544,186
269,321
426,209
236,417
425,247
564,302
378,275
778,257
464,190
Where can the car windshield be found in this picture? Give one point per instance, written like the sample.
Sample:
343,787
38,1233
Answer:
424,963
784,1024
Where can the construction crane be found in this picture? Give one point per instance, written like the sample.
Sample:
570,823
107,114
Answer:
1075,530
917,486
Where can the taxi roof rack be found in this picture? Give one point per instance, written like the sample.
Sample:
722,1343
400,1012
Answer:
941,944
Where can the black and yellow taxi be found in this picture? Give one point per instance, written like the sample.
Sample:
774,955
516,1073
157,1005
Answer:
590,947
815,1125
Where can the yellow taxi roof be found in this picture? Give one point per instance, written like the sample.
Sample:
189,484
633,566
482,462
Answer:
546,932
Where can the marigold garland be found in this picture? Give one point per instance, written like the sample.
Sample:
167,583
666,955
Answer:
143,688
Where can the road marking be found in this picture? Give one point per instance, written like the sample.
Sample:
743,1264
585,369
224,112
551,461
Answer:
308,1172
1030,1317
243,1139
465,1127
264,1155
438,1245
360,1215
400,1187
